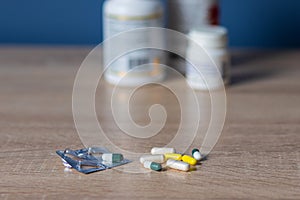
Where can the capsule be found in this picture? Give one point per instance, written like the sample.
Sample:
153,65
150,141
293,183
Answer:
112,157
152,165
196,154
159,158
189,159
173,156
163,150
179,165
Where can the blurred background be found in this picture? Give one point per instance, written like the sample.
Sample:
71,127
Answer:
251,23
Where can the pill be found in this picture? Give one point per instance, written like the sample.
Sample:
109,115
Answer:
179,165
112,157
163,150
189,159
152,165
173,156
159,158
196,154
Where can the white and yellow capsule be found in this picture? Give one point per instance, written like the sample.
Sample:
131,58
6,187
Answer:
189,159
173,156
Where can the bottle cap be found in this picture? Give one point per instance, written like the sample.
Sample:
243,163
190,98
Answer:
210,36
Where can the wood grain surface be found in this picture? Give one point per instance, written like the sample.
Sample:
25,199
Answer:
257,156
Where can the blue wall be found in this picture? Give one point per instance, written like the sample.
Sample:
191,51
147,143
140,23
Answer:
252,23
262,23
50,21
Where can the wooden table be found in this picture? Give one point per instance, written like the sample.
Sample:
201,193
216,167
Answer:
257,155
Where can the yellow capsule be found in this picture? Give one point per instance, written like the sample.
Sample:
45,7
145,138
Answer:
189,159
173,156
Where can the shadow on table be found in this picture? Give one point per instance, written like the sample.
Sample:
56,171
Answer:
249,66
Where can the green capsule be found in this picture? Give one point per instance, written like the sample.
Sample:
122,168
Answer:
196,154
195,150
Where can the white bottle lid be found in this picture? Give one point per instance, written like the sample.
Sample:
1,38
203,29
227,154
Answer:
133,7
210,36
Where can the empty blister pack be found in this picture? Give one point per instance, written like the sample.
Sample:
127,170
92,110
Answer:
89,160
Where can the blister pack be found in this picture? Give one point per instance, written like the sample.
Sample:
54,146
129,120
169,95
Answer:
92,159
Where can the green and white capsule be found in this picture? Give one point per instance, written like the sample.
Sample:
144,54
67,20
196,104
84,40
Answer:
152,165
112,157
196,154
153,158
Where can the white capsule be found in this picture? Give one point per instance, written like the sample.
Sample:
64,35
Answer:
179,165
153,158
163,150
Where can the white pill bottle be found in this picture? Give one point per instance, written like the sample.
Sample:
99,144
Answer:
214,65
124,15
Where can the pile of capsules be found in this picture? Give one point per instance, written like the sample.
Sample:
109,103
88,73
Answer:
172,159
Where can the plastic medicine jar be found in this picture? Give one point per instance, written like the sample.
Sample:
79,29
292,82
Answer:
125,15
215,66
